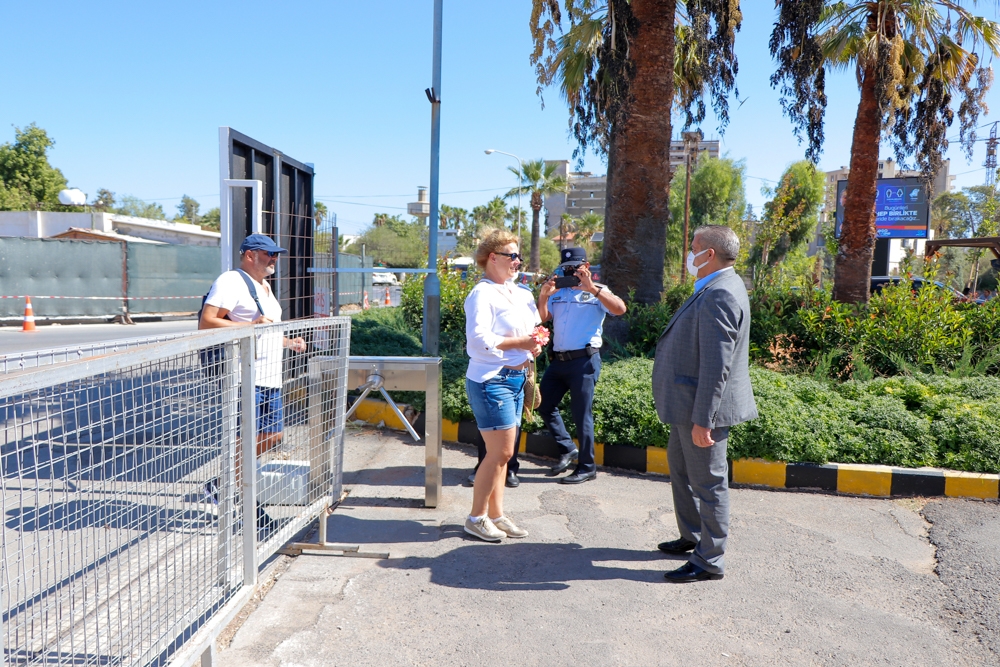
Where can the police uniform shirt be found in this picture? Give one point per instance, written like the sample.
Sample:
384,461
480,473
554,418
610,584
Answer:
577,319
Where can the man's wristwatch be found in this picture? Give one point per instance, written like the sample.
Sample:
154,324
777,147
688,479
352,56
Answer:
598,292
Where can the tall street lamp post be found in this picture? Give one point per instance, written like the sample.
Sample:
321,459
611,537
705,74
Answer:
432,285
691,141
520,173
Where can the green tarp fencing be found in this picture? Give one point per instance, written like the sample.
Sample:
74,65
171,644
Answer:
111,269
169,270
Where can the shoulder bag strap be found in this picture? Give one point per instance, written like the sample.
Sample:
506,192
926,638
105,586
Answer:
253,290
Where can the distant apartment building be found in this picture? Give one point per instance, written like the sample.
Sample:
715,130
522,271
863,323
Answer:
588,193
888,168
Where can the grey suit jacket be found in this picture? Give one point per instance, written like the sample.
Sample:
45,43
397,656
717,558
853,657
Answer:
701,373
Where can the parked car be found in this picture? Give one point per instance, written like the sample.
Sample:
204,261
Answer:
878,282
384,279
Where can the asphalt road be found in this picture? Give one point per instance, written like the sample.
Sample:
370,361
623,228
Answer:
812,579
12,339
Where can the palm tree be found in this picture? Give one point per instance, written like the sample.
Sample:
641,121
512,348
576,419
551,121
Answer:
589,224
320,213
609,67
538,180
911,58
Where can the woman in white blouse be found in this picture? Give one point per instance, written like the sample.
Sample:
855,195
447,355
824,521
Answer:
499,320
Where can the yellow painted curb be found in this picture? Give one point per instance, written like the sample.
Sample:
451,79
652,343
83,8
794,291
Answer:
598,452
656,460
971,485
867,480
449,430
759,471
373,412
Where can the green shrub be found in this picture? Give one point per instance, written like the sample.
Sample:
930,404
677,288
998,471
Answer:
912,419
623,405
453,293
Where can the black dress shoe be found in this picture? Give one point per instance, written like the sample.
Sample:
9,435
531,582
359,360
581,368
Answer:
689,572
512,481
678,546
564,462
578,478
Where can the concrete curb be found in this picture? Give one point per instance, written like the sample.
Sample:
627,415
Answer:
846,478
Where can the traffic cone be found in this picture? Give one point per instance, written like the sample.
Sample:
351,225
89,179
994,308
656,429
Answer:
29,316
387,302
364,304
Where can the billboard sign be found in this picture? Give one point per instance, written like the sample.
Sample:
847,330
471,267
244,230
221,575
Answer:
902,208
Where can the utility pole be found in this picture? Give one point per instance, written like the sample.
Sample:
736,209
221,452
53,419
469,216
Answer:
691,142
432,285
991,157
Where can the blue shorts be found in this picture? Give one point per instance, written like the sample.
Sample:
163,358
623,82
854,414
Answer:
497,403
270,416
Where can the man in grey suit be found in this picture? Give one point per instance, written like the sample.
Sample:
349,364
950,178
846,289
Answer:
701,387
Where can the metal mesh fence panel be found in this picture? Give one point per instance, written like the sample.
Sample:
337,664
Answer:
18,361
300,394
122,484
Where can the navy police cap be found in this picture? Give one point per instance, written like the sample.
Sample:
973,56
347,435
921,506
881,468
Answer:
572,256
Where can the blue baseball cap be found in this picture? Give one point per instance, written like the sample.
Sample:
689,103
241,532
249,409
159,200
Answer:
260,242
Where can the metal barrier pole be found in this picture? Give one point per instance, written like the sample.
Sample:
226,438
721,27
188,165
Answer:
433,449
227,490
248,458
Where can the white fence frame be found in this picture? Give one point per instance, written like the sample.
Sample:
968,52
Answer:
321,408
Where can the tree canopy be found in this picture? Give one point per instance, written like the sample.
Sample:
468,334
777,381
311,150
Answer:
27,180
791,216
718,197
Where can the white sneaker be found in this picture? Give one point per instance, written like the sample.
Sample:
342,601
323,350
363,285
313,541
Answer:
507,526
484,529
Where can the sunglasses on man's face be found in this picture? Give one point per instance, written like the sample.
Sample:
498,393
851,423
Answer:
513,256
269,253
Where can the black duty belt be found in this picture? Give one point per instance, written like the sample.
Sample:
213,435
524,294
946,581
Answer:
575,354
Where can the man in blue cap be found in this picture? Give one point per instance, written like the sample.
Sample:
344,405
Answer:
243,297
577,311
234,301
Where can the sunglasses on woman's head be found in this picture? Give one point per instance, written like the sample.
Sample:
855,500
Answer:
513,256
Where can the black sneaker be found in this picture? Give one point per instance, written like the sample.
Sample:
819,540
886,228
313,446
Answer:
265,524
211,490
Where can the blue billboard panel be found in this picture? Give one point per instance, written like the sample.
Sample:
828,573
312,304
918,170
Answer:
902,208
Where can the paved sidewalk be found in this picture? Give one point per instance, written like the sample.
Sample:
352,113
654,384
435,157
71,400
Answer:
812,579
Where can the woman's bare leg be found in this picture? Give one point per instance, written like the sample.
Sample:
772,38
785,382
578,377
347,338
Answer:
487,492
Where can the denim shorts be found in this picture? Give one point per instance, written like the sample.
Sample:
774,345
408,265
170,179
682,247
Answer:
497,402
270,415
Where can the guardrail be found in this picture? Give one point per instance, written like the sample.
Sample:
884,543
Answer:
126,536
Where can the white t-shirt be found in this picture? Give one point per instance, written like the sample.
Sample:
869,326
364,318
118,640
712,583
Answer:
229,292
494,312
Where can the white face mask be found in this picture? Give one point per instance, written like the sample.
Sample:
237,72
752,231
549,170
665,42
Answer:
691,266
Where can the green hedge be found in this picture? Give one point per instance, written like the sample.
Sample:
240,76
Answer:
908,420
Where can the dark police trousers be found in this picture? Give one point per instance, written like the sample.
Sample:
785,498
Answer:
578,377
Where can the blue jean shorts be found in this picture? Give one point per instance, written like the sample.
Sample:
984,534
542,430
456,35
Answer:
270,412
497,402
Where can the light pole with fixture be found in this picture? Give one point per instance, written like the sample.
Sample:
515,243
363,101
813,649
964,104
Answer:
520,176
691,142
432,286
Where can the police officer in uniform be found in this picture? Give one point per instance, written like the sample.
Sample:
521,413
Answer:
577,312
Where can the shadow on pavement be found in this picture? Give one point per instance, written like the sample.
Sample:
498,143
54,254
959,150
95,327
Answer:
354,530
401,476
526,566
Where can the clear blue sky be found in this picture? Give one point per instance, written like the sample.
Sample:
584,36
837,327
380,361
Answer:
134,93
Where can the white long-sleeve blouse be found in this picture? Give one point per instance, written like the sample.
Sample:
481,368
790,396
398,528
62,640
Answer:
493,312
